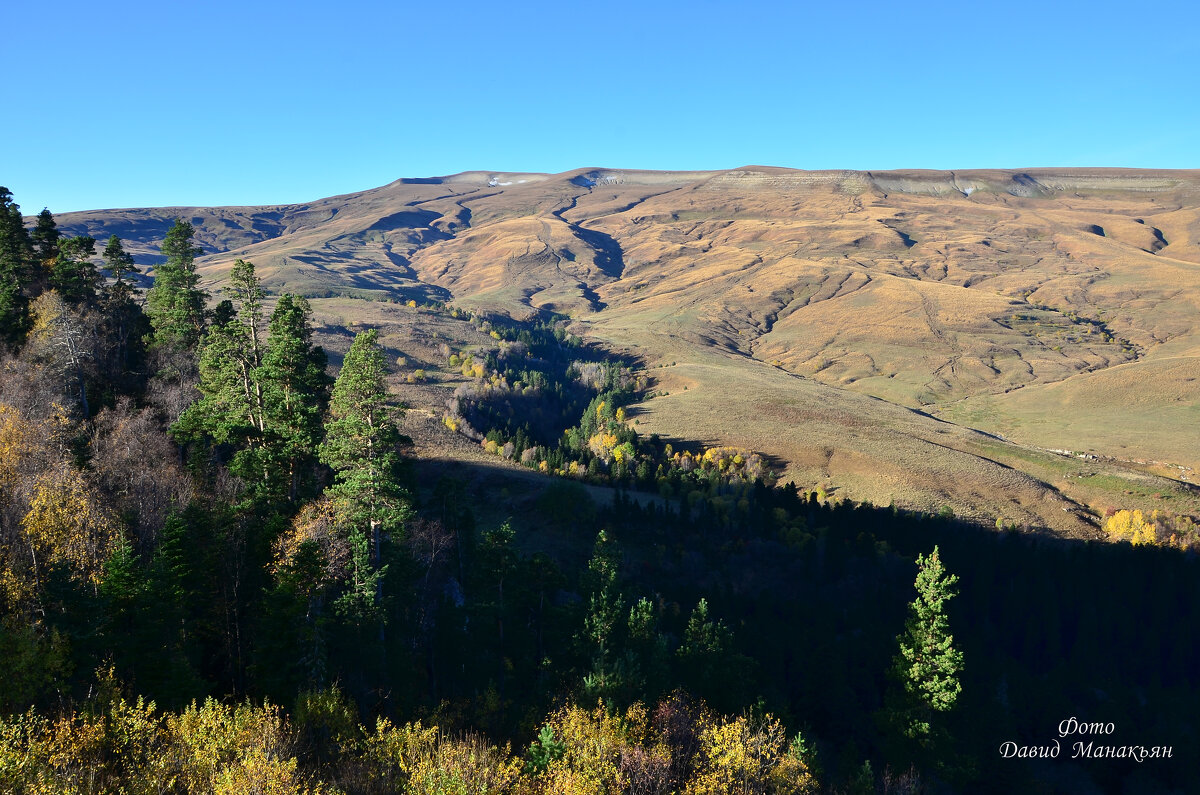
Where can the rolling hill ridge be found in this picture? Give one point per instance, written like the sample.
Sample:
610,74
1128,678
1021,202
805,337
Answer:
919,337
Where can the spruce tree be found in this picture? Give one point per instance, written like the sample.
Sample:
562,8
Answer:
360,445
176,303
16,258
926,668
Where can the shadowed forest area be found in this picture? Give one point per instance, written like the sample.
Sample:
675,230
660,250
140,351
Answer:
222,570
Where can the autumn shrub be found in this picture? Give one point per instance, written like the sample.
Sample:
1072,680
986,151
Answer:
114,747
427,761
214,746
593,741
749,755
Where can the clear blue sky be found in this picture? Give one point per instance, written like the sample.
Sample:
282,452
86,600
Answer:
116,104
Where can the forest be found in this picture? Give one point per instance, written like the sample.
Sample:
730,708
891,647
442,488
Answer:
222,571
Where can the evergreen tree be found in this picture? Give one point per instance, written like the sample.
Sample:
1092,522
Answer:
709,664
73,274
45,237
120,265
176,303
124,315
498,567
650,670
926,669
225,414
263,398
607,677
360,445
296,390
231,411
16,257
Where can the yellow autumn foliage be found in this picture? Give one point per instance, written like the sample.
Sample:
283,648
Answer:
427,761
749,756
257,772
602,444
223,749
317,526
1133,527
14,448
593,741
67,524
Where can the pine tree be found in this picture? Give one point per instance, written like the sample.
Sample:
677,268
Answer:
45,237
176,303
73,274
16,258
608,675
120,265
926,669
360,445
296,390
124,315
263,398
709,665
498,567
225,414
231,410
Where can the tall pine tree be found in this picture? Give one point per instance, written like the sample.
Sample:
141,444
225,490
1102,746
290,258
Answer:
926,669
227,413
263,398
176,303
361,446
295,391
123,314
16,260
45,237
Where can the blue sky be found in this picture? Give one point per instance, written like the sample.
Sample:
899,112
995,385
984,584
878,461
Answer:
149,104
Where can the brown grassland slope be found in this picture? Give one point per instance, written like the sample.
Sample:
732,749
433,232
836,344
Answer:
928,338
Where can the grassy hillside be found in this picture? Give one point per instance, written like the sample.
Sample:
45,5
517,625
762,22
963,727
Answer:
858,328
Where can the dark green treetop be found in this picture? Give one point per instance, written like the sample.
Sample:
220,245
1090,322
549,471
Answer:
16,258
926,669
176,303
73,274
360,445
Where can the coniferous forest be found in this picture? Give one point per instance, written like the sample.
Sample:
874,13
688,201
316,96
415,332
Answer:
222,571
